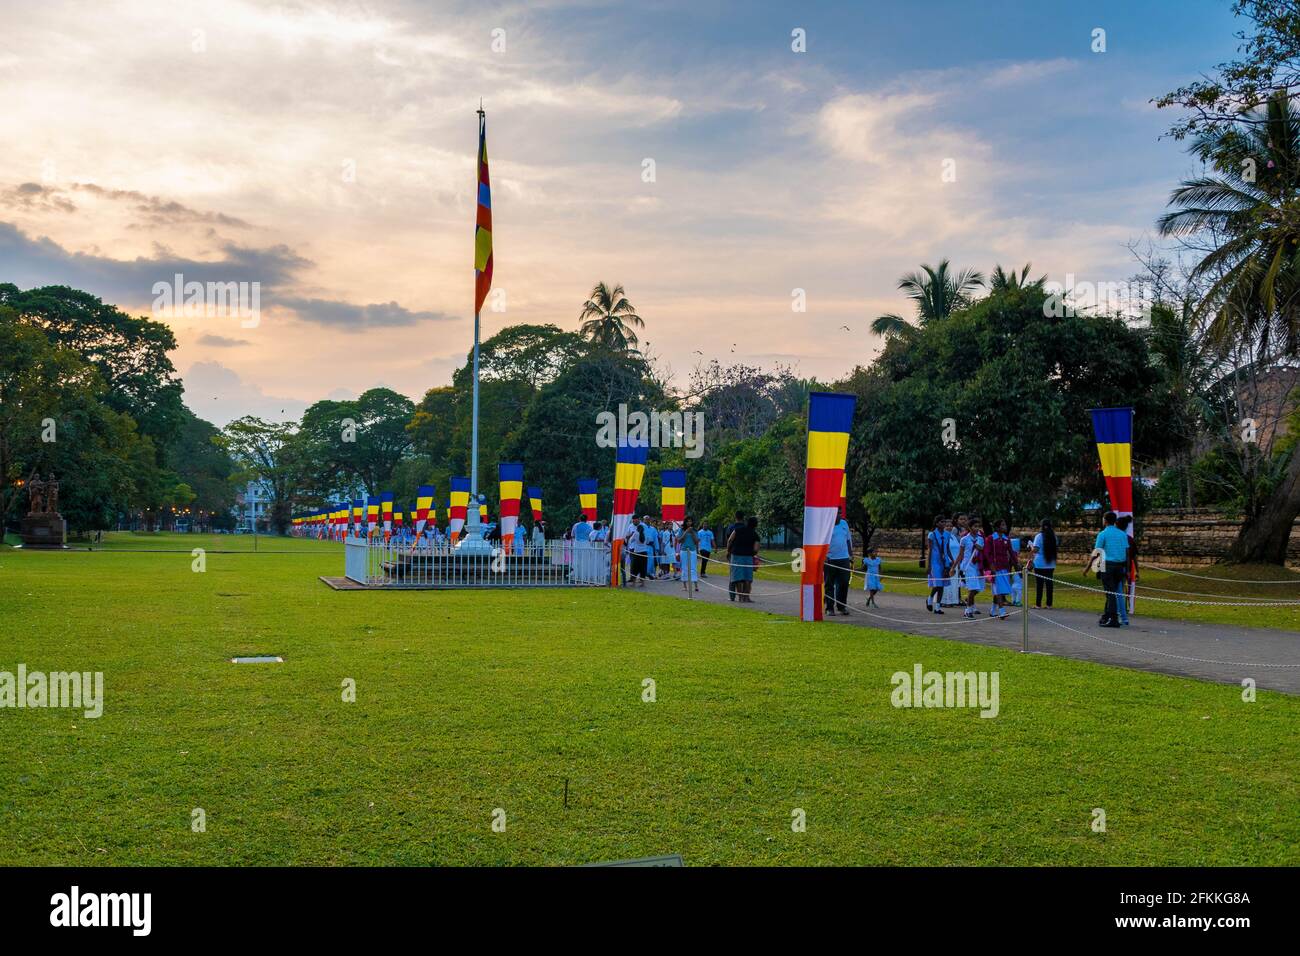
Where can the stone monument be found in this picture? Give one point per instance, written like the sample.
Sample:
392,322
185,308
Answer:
43,527
473,542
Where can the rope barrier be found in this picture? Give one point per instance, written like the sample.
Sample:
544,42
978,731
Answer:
1012,612
1121,594
1206,577
1145,650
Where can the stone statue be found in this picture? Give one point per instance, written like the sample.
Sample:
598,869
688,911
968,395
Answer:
51,495
35,495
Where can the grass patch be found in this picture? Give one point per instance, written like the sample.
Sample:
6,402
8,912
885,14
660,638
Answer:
469,701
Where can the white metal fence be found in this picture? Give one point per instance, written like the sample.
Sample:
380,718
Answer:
425,564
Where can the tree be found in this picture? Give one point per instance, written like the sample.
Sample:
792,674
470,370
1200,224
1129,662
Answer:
1016,384
608,319
1001,281
1269,65
266,452
350,445
1249,213
130,353
204,467
937,293
55,419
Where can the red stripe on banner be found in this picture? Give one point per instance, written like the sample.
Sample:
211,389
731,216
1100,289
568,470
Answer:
510,508
625,500
810,580
674,512
1121,493
822,488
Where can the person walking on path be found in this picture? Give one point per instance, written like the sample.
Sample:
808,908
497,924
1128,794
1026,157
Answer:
689,541
1001,560
742,549
1044,548
726,541
836,571
936,548
706,547
1113,547
872,585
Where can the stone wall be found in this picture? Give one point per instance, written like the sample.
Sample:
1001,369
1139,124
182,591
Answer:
1173,539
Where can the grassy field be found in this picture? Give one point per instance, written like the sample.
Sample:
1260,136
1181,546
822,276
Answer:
472,701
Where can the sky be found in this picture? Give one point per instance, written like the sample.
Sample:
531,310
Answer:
325,151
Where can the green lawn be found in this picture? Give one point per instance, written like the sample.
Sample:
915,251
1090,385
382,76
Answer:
470,701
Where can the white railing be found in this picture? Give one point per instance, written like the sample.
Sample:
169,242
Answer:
426,564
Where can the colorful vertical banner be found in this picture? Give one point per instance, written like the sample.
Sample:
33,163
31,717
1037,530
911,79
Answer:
629,469
423,504
673,494
535,502
1113,429
358,516
483,222
830,419
458,506
511,477
587,497
386,512
372,514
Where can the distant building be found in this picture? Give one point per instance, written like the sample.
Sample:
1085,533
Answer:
252,509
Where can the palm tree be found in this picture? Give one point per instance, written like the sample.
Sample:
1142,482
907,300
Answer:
608,319
1249,210
1000,281
937,294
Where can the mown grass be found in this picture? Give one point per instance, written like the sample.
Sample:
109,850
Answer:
471,701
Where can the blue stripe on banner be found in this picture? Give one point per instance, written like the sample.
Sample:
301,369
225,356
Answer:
460,484
484,195
633,452
587,486
674,478
510,471
1113,426
830,412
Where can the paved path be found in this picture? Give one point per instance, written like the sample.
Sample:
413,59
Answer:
1213,652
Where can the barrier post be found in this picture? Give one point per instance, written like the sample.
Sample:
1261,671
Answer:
1024,609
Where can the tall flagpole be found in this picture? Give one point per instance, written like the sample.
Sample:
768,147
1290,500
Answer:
473,455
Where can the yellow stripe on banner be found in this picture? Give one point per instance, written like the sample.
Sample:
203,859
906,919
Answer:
1116,460
459,498
827,449
482,248
628,475
674,496
510,490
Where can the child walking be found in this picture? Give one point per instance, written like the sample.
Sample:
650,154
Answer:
872,585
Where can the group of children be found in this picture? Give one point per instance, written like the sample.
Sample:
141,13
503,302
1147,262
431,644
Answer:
960,555
665,550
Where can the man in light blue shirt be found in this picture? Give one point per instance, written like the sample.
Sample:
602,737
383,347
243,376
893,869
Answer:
1113,544
835,574
652,545
582,530
706,548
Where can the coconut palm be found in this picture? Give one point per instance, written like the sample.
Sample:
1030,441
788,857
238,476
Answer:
609,320
1249,211
1001,281
937,293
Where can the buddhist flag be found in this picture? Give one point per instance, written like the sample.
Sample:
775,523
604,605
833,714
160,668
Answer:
358,517
830,419
511,477
535,502
423,504
386,512
673,495
587,497
629,469
458,505
372,514
1114,430
482,514
483,224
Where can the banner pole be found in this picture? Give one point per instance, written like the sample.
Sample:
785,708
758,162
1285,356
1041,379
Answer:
1024,608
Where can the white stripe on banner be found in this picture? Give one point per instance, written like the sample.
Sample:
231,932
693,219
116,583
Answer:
818,524
808,602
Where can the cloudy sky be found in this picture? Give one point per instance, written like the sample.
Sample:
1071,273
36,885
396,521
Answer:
326,151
